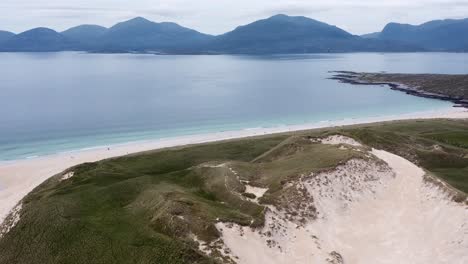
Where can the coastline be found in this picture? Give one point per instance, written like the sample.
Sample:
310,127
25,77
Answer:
355,78
19,177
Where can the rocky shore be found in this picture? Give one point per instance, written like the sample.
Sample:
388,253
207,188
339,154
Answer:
411,84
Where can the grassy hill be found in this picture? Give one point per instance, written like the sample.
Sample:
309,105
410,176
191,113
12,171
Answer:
148,207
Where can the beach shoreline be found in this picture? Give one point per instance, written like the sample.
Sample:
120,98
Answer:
20,177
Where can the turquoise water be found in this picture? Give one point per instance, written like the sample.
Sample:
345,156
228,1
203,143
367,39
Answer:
56,102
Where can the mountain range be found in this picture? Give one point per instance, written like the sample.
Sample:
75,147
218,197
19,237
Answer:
436,35
277,34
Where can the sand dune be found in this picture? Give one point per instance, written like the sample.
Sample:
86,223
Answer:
368,213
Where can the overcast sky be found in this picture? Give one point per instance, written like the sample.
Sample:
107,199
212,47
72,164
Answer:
219,16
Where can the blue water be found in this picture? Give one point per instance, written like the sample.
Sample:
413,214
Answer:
55,102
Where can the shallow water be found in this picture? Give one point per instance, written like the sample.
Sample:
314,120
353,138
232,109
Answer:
55,102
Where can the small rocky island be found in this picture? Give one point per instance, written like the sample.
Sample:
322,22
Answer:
447,87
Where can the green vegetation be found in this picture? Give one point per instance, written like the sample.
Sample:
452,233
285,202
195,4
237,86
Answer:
145,208
448,87
455,86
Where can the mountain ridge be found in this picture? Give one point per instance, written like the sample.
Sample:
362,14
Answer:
281,33
5,35
38,39
276,34
142,34
435,35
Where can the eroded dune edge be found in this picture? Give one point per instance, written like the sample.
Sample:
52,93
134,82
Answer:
379,210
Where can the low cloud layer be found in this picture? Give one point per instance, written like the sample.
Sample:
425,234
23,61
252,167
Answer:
219,16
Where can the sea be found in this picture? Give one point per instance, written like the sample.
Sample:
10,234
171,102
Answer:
68,101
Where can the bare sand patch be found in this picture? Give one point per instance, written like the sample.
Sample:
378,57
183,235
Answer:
67,176
339,139
12,219
257,191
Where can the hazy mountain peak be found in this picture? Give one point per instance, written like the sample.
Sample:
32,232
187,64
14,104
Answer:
6,32
138,20
281,23
38,39
448,34
85,34
284,34
42,30
286,17
84,31
279,16
87,27
5,35
141,34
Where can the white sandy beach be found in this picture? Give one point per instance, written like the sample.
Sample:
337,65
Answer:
18,178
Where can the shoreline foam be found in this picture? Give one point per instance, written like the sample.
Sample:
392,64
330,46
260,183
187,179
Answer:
19,177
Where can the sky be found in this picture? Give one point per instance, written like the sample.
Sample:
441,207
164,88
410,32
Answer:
220,16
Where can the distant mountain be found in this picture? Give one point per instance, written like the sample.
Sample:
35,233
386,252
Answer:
5,35
437,35
282,26
283,33
295,34
371,35
38,39
140,34
277,34
86,34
